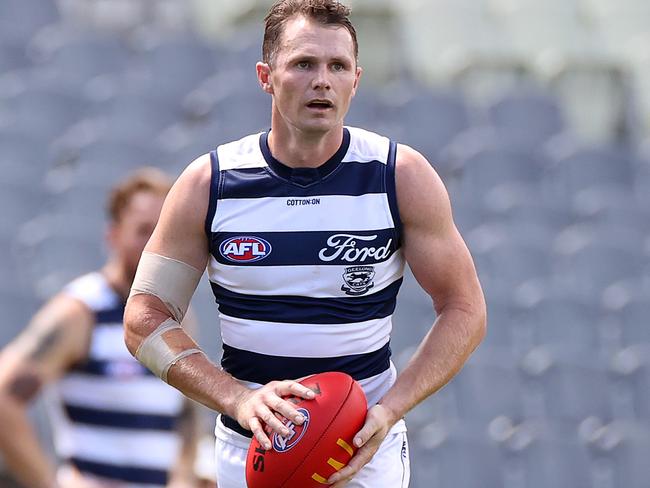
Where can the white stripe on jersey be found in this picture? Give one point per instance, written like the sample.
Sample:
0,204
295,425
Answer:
93,290
366,146
271,214
311,281
143,448
305,340
108,343
244,153
140,395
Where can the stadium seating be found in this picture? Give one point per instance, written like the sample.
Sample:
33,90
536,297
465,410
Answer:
532,113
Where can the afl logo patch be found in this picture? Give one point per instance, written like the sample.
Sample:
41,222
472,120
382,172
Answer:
245,249
284,443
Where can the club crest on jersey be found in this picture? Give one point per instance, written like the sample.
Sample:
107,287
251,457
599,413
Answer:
245,249
358,279
284,443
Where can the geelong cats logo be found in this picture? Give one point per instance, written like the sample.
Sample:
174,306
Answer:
358,279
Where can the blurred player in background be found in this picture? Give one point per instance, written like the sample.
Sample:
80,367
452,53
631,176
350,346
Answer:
305,231
114,424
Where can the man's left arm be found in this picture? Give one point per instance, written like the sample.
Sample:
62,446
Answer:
443,266
182,474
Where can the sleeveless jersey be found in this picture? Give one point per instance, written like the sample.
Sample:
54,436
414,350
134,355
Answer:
114,419
306,263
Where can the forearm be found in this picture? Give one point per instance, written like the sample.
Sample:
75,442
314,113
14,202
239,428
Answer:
21,450
195,376
442,353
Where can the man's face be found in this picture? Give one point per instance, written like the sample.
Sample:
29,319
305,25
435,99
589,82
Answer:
128,236
313,75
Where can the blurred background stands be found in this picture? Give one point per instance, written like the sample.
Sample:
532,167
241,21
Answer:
537,116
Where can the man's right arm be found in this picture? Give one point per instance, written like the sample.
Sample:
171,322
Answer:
56,337
180,236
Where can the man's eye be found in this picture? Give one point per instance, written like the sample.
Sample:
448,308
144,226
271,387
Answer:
303,64
338,67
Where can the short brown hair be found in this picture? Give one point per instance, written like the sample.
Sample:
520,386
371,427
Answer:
147,179
327,12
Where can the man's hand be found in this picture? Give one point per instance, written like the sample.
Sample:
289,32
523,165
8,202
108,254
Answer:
259,408
378,422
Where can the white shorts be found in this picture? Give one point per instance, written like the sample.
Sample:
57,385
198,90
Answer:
389,468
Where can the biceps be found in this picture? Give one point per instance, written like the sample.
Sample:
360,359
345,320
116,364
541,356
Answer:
442,265
57,336
180,231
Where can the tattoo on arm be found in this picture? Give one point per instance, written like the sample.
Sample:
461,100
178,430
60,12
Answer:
25,387
45,343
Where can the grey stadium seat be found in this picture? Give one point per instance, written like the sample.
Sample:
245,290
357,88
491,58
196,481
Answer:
489,168
450,456
593,268
490,386
577,168
12,56
23,160
564,321
135,117
559,463
527,115
18,204
431,121
17,309
575,385
104,162
20,20
635,322
43,113
174,66
73,58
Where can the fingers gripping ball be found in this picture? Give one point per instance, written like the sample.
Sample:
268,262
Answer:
322,445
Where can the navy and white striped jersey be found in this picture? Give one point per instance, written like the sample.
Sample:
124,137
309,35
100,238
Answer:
114,419
306,263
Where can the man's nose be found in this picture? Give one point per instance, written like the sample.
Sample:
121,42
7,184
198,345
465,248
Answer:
321,79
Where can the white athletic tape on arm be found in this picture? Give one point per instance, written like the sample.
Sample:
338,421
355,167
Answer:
172,281
156,355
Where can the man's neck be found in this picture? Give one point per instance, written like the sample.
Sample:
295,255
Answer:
298,149
116,275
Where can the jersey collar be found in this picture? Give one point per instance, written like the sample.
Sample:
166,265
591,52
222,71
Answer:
304,176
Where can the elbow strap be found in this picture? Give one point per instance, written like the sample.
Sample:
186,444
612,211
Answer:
155,353
170,280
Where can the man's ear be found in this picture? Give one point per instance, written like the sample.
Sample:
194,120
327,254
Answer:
357,78
264,77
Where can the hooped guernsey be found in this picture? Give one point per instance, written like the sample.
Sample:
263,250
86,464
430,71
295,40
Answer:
111,417
306,263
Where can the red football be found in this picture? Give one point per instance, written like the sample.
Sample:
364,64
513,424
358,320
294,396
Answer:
320,446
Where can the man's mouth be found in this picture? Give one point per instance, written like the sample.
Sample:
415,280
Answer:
320,104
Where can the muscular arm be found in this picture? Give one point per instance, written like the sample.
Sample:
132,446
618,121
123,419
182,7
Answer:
444,268
180,235
182,473
442,265
56,338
